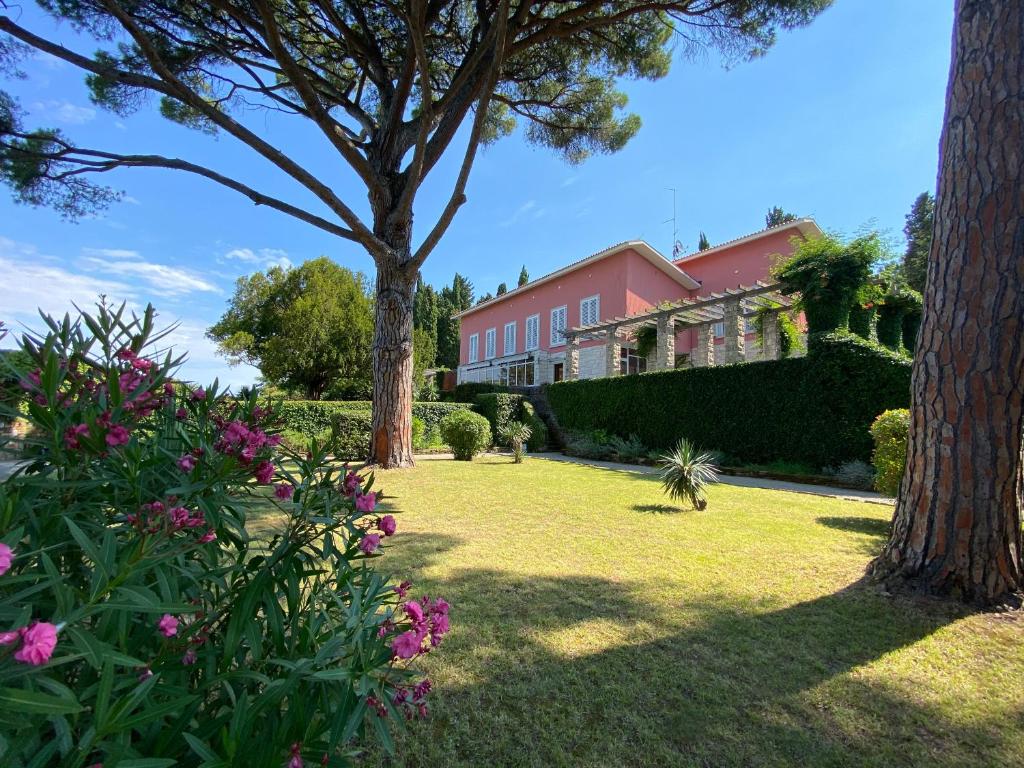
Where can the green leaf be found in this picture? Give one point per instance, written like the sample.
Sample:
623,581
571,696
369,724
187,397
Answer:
21,700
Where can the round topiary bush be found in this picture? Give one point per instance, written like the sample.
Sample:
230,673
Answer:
467,433
890,432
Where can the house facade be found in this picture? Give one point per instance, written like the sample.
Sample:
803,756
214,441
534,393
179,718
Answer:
518,338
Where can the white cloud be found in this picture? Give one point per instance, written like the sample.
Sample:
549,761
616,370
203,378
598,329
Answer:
162,280
264,257
36,284
569,181
63,111
521,211
112,253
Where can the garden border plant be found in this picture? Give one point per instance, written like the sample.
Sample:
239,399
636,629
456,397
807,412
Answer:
139,623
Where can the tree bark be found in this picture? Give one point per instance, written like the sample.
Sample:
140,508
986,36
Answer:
957,525
391,443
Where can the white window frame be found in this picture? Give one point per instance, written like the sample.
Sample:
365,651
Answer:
491,344
474,348
596,299
532,333
510,349
719,329
557,330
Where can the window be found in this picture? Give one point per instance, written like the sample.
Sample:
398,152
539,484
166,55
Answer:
719,330
510,338
474,347
532,332
748,325
519,374
557,326
590,310
630,362
489,343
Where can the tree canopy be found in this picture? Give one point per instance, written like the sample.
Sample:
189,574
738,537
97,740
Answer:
703,243
918,230
777,217
524,277
307,328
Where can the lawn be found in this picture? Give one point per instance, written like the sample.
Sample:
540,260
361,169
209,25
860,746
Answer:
595,625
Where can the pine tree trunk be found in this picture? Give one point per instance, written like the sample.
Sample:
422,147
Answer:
391,443
957,526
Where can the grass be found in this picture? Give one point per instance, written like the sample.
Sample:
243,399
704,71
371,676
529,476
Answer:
596,624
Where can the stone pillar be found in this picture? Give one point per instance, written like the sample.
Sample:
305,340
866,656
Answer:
770,336
703,354
734,341
666,346
572,359
613,352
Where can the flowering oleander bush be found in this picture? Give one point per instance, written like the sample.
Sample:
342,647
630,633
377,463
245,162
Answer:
139,622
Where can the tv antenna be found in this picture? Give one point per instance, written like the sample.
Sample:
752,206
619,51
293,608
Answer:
677,247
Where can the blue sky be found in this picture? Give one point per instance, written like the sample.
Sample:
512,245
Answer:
840,121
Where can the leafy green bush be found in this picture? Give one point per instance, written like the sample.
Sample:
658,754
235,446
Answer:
815,409
467,433
351,434
315,417
890,432
468,391
139,623
500,409
686,472
419,432
515,434
538,429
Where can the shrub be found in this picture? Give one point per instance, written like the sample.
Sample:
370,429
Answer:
419,432
468,391
890,432
855,474
351,434
516,434
500,409
139,623
628,450
686,472
467,433
815,409
538,429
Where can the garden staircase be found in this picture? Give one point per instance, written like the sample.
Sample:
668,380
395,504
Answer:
537,396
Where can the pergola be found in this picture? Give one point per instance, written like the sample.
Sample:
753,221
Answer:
729,307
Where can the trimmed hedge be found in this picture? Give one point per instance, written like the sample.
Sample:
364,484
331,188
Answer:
467,393
352,436
312,417
816,409
891,432
538,429
500,408
467,433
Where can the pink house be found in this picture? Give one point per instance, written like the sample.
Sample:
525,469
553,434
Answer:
517,338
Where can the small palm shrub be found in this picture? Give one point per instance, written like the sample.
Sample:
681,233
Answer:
890,432
516,434
140,624
686,473
467,433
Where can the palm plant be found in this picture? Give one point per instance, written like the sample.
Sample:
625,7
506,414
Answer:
686,471
516,434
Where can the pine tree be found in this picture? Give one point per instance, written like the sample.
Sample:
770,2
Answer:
524,277
502,290
703,244
776,217
918,230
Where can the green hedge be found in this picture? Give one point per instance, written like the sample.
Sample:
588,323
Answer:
313,417
467,393
500,408
816,409
352,436
891,431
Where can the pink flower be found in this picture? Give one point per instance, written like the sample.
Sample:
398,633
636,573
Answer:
189,658
283,491
38,642
414,611
142,364
207,537
168,388
117,435
264,472
199,394
145,674
187,463
168,625
406,645
181,414
370,543
6,556
9,638
440,606
403,589
366,502
351,484
179,516
387,524
71,435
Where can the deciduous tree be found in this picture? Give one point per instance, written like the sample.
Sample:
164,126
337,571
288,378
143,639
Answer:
387,86
957,526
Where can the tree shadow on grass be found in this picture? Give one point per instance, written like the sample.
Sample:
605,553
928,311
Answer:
869,526
659,509
570,671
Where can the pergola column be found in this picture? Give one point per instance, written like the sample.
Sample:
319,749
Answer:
770,336
734,341
613,352
703,354
666,346
572,358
